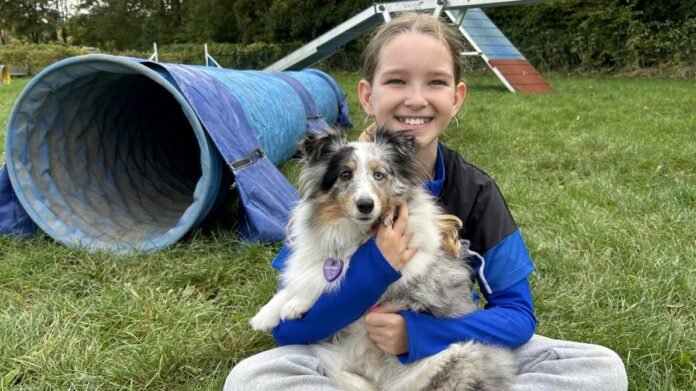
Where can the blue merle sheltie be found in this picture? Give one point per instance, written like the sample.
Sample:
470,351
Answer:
347,188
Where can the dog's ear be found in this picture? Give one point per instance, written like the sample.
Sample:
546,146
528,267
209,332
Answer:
317,145
403,143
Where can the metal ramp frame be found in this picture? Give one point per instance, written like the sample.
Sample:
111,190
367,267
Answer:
489,43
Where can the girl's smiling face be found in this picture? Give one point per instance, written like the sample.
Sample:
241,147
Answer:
413,88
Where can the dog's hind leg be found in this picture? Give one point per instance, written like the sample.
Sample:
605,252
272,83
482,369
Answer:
472,367
354,382
335,362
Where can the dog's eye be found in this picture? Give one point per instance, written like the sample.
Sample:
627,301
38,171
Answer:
378,176
346,175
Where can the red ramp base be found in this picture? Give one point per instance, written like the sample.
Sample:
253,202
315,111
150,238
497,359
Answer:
522,76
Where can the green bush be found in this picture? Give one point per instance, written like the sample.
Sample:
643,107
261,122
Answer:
32,58
257,55
599,35
663,43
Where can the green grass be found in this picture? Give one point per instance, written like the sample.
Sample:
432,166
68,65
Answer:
600,175
8,94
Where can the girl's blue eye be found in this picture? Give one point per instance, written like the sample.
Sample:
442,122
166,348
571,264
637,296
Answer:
378,176
395,81
439,82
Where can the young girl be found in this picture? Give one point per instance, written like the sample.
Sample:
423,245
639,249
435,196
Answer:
411,82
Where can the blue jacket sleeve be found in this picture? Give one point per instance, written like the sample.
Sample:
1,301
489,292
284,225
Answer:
367,278
508,320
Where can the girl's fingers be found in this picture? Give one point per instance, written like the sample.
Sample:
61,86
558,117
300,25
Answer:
406,239
381,334
375,320
402,220
389,308
409,253
391,240
388,221
379,340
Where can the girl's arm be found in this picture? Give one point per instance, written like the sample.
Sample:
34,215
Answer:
367,278
372,268
508,320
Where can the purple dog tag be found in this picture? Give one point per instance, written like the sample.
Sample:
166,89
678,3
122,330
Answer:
332,268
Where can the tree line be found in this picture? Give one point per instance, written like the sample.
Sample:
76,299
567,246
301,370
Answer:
560,35
603,34
136,24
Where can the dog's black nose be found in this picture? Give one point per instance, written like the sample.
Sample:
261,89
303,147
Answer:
365,205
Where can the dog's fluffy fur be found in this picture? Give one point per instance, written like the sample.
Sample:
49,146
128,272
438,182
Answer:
337,177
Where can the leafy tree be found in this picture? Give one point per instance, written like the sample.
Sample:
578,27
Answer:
164,21
249,15
113,24
32,19
226,28
63,10
664,10
9,12
299,20
561,35
209,21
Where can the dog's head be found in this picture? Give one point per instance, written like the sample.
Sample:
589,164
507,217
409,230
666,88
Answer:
358,180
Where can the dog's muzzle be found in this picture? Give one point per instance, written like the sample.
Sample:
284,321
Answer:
365,205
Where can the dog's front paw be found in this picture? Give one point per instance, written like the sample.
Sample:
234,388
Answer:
353,382
265,320
295,308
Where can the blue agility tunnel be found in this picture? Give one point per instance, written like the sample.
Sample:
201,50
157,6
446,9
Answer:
118,154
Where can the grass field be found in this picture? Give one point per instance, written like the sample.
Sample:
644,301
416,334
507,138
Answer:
600,175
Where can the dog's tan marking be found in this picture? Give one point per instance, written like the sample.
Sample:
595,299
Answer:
352,165
373,165
449,229
329,210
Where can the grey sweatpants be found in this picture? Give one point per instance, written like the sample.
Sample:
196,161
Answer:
544,364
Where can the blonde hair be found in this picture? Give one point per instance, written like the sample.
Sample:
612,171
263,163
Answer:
411,22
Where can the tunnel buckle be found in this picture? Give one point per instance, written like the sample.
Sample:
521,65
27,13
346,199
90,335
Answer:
256,154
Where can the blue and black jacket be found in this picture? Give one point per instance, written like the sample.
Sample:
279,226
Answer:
499,258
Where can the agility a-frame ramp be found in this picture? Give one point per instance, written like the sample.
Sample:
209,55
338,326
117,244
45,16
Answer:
487,41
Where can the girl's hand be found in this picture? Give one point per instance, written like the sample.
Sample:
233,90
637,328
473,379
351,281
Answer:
387,330
392,242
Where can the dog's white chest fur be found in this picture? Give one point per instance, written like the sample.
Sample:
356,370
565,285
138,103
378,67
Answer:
347,187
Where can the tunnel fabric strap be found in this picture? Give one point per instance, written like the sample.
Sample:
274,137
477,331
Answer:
315,120
266,195
343,117
14,220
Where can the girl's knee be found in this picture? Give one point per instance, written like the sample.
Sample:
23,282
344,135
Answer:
242,374
614,368
609,355
263,370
